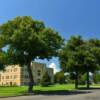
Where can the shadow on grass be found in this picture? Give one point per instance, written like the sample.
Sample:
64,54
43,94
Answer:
59,92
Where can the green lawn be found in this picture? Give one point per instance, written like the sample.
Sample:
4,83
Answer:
15,91
12,91
96,85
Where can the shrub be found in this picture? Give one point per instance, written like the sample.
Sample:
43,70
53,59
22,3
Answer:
46,80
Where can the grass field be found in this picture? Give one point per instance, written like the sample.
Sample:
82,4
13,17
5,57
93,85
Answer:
15,91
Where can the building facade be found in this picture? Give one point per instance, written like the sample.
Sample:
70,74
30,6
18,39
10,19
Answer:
18,76
11,76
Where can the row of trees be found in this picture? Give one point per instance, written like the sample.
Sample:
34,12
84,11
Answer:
79,56
69,78
24,39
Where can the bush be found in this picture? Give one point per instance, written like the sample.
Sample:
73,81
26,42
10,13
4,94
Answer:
60,78
82,80
97,77
46,80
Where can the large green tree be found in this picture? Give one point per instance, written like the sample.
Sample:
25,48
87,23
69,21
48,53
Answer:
27,39
94,45
79,56
71,57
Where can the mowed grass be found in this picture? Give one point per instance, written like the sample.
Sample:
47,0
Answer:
95,85
55,87
16,91
22,90
12,91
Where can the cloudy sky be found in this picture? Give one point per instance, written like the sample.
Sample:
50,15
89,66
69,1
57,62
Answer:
53,65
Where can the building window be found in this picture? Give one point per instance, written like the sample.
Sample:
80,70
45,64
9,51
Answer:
26,76
15,69
39,72
15,76
7,77
2,77
11,77
8,70
39,81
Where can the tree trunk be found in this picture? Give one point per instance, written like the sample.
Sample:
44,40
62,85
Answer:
88,84
76,80
31,81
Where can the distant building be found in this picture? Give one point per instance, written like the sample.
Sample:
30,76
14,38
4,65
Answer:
16,75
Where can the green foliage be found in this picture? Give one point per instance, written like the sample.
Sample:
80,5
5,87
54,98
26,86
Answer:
23,34
3,60
71,56
72,76
16,91
70,79
27,39
80,56
83,79
60,77
46,80
96,77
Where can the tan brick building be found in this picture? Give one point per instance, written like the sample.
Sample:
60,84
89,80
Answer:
16,75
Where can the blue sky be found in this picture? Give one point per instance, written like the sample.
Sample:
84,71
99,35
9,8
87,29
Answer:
68,17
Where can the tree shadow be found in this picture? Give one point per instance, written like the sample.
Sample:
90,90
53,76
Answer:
91,88
60,92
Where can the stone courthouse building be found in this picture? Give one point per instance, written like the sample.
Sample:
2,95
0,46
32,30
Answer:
18,76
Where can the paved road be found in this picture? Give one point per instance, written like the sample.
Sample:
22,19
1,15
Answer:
94,95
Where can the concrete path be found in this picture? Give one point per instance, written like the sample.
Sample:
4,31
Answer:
93,95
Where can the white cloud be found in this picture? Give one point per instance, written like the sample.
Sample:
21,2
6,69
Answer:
53,65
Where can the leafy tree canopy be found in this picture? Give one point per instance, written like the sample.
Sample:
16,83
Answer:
27,39
80,55
25,35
